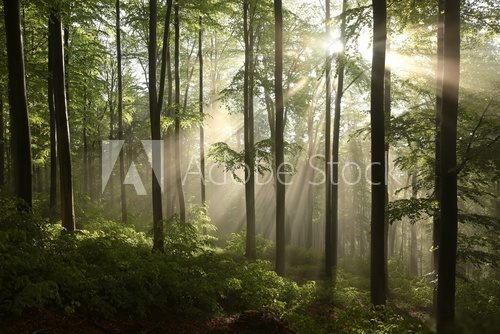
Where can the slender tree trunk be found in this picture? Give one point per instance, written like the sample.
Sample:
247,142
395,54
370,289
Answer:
413,232
61,117
158,238
280,127
166,70
66,64
336,145
123,194
19,122
177,121
2,146
202,130
387,113
378,259
436,231
248,127
310,180
53,141
328,166
448,170
85,145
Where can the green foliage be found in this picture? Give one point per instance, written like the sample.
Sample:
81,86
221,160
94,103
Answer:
478,303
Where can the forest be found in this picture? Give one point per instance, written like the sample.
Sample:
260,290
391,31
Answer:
249,166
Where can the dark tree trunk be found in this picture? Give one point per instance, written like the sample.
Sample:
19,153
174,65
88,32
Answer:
166,74
413,232
336,145
2,146
85,145
19,122
53,141
61,117
248,127
279,145
436,232
328,170
202,130
177,120
154,113
387,113
310,179
448,169
164,55
378,259
123,194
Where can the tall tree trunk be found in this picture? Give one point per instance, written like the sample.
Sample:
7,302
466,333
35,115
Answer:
202,130
166,74
154,113
310,179
123,194
53,140
61,116
85,145
19,122
378,259
448,169
387,113
177,121
201,107
250,251
328,170
279,149
66,63
2,146
436,231
336,144
413,232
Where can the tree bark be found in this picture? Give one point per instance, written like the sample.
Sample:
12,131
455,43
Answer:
123,194
154,113
85,145
248,126
53,141
2,146
328,151
19,122
436,231
413,232
336,145
279,149
378,259
177,121
61,117
448,169
202,128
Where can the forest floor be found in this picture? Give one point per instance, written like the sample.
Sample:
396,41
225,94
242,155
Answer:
57,322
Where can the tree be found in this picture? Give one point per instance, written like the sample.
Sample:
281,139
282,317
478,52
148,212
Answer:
448,170
279,140
53,140
2,145
248,126
437,151
123,195
20,129
378,259
202,130
328,166
154,113
413,230
336,142
177,119
56,50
